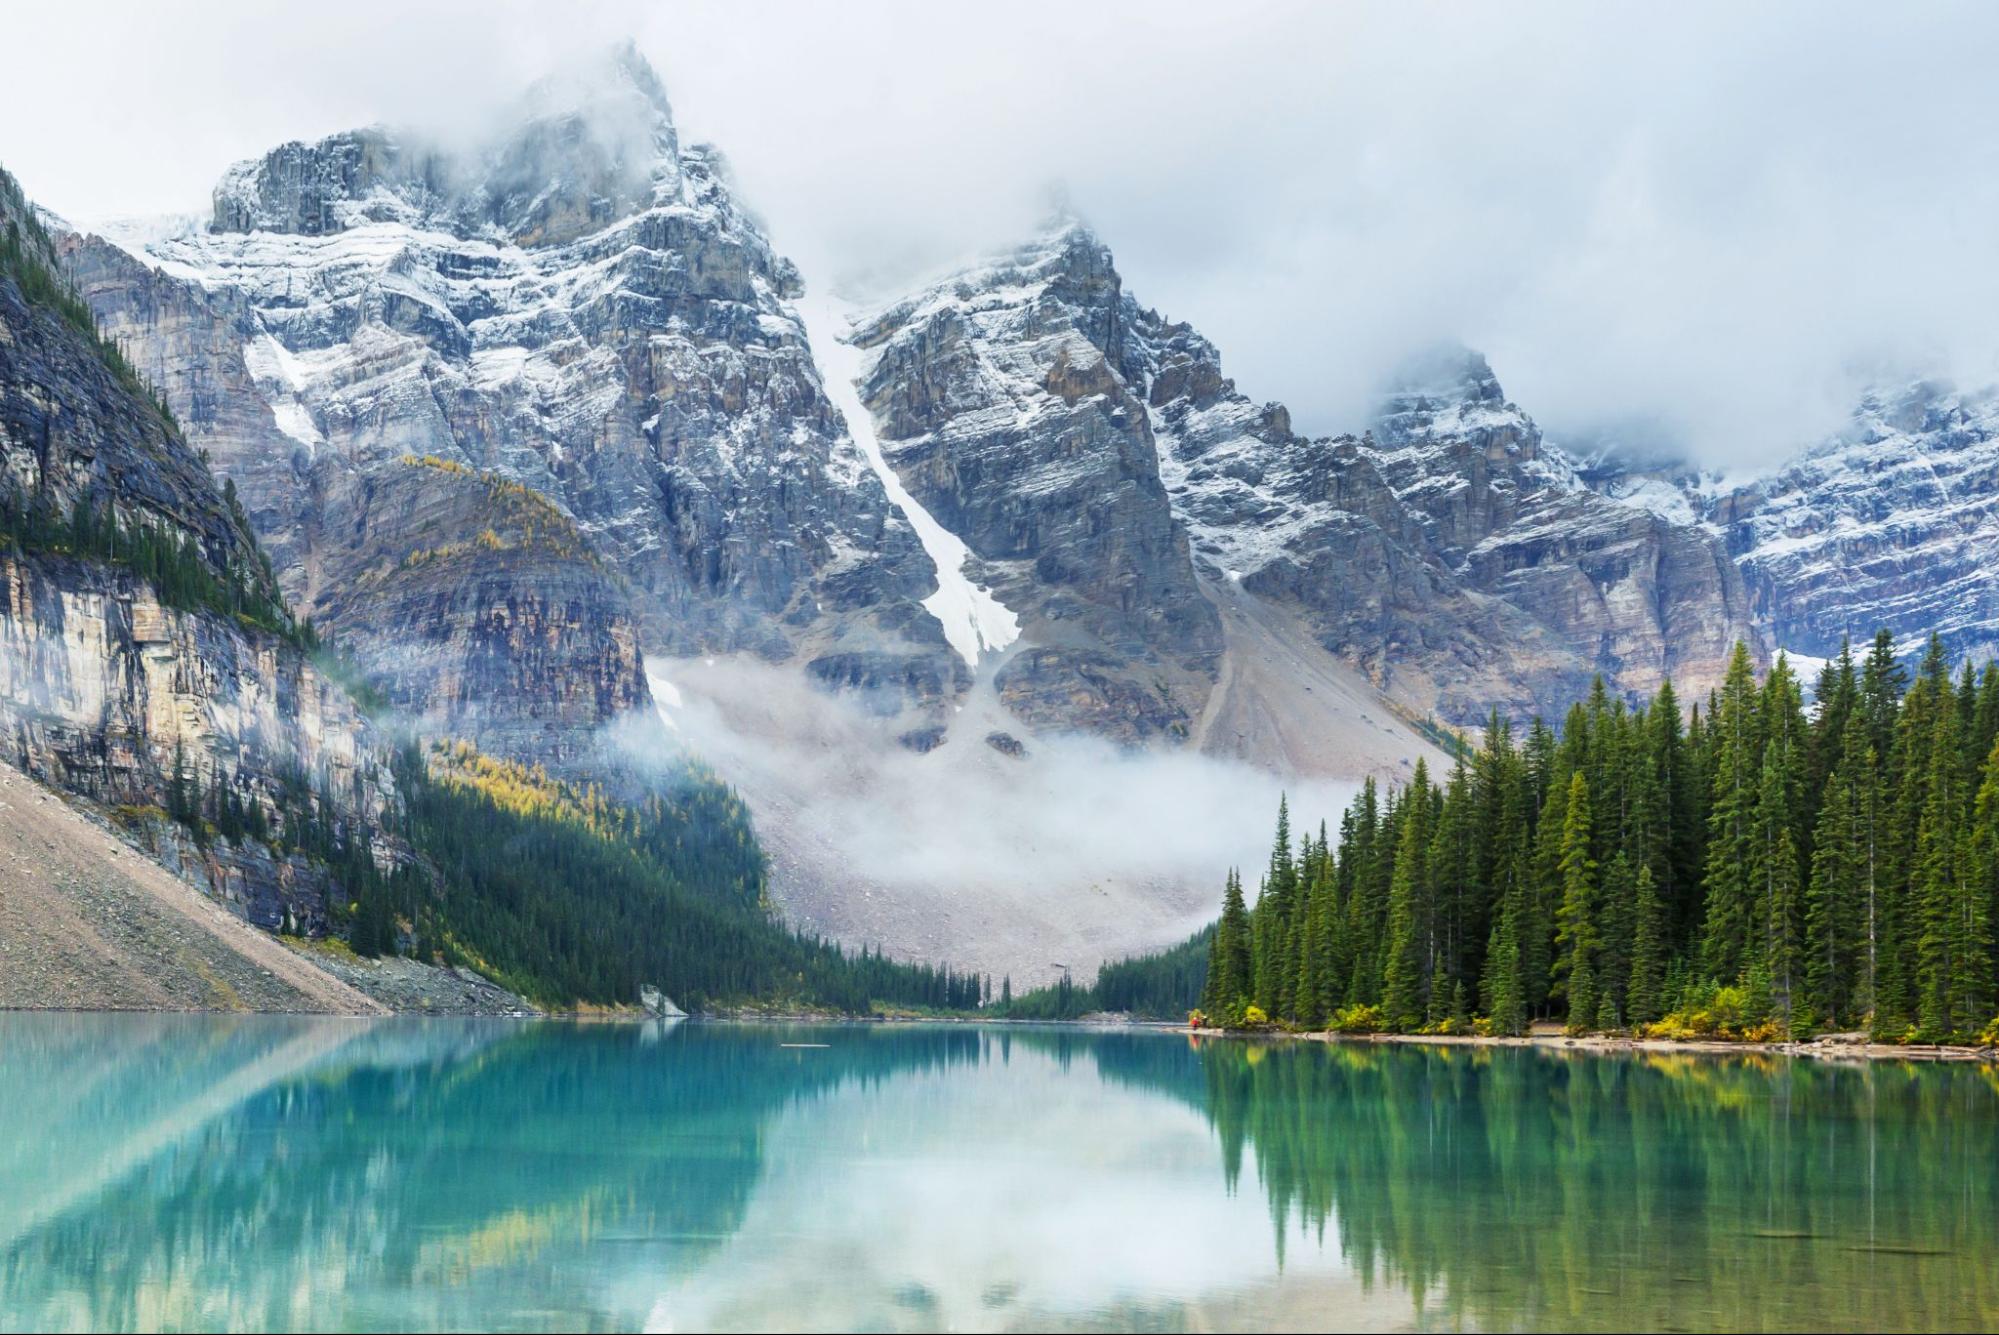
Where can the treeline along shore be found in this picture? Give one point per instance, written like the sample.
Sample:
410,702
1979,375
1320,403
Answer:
1751,869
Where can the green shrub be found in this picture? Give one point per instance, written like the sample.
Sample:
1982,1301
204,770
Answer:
1740,1012
1358,1020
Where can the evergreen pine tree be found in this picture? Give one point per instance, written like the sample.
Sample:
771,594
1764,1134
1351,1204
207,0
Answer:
1730,916
1230,967
1542,896
1936,884
1645,997
1457,898
1616,919
1832,899
1505,990
1276,966
1975,913
1576,932
1774,874
1404,981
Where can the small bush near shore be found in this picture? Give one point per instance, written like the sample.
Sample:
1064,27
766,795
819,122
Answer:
1358,1020
1721,1011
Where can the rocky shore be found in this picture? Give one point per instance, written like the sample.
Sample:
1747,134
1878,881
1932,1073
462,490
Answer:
90,922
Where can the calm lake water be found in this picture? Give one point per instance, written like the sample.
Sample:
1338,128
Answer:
176,1172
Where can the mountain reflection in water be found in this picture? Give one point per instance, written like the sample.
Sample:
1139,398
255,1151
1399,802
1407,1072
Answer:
165,1172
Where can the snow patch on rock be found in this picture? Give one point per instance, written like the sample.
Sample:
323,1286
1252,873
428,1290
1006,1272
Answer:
974,621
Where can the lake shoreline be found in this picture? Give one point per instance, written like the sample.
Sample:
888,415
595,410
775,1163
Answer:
1815,1050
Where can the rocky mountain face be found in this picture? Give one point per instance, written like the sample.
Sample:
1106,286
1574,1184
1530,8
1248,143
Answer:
579,307
473,604
1636,595
1893,522
1315,527
1093,453
107,688
1000,402
582,309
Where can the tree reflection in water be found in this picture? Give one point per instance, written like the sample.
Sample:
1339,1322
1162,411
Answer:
1593,1191
275,1173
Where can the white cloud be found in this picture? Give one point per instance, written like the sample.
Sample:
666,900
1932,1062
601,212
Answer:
1720,216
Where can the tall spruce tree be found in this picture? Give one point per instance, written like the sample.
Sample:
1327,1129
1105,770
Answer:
1730,921
1645,994
1974,914
1576,933
1405,980
1833,900
1230,966
1938,887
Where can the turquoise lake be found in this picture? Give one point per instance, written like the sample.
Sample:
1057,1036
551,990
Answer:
170,1172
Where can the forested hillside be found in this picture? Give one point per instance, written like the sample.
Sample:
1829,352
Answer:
569,896
1754,868
563,894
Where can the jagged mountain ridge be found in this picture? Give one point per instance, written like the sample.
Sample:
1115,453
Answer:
1893,522
650,375
998,401
1641,597
617,340
1449,553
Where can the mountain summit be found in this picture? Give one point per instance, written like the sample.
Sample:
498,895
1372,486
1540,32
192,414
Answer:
582,149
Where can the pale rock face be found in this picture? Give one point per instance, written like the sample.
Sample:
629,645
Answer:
103,685
103,691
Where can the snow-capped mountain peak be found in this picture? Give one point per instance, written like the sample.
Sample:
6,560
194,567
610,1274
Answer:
580,150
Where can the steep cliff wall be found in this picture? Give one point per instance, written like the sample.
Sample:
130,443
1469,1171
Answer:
478,611
143,641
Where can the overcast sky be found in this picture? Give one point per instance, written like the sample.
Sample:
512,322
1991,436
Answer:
1713,222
